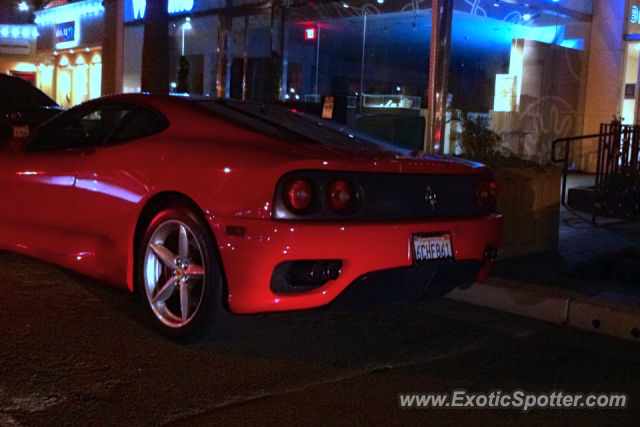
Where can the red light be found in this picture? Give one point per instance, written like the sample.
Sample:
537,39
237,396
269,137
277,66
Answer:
486,192
493,192
297,194
309,33
340,195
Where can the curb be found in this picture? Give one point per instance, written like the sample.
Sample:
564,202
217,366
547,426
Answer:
607,313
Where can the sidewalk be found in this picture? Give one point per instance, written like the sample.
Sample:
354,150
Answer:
545,287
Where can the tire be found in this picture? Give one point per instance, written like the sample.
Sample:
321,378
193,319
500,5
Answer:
181,296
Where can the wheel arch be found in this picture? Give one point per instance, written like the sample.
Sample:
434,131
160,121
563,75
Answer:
149,210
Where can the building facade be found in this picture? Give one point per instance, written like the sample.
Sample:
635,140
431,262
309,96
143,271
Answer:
535,69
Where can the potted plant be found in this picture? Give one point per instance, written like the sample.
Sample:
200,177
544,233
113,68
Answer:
528,193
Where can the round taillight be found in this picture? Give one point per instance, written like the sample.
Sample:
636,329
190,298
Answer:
340,195
297,194
483,194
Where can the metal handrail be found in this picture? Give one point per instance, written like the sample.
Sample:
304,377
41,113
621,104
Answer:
565,159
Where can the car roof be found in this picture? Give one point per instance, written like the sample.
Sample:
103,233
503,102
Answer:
7,79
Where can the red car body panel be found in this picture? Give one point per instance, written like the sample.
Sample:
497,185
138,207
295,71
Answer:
79,208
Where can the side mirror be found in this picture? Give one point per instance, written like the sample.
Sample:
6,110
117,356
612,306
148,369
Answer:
6,131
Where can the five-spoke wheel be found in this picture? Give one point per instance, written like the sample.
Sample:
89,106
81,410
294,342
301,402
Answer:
178,271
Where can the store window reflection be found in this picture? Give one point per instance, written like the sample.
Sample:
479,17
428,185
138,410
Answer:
522,68
371,58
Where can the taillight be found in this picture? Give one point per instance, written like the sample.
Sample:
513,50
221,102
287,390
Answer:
493,192
486,192
340,195
297,194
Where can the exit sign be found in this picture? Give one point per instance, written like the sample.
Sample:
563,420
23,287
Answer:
310,33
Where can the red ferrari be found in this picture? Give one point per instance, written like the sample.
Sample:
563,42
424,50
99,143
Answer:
210,205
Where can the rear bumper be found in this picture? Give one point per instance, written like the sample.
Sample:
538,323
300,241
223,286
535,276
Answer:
363,248
428,280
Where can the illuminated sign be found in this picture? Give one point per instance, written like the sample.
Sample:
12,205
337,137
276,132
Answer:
65,32
69,12
175,6
309,33
635,14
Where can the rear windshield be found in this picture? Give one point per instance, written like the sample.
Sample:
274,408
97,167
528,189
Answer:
282,122
17,93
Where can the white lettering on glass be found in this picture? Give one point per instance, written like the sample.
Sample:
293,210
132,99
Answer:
175,6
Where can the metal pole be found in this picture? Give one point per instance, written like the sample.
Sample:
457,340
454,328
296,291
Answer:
317,61
441,18
182,39
364,42
245,63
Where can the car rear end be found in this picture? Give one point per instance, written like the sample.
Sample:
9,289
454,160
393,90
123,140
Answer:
362,238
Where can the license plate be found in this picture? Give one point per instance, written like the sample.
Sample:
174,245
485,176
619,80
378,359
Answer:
427,248
20,132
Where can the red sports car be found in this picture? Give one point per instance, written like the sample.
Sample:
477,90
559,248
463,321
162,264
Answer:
210,205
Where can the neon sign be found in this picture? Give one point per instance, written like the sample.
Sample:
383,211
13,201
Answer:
635,14
175,6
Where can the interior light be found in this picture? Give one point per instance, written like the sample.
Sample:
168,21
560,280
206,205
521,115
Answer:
23,6
64,61
79,60
496,3
380,1
345,5
55,52
526,16
87,49
70,50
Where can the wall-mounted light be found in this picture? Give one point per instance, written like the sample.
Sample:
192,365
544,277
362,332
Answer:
79,60
23,6
23,31
64,61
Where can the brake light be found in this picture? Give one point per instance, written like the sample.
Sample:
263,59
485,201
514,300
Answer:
298,194
486,192
340,195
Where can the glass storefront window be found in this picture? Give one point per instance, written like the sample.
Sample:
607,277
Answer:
371,58
522,67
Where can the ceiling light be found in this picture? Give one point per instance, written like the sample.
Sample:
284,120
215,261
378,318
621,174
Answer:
496,3
345,5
